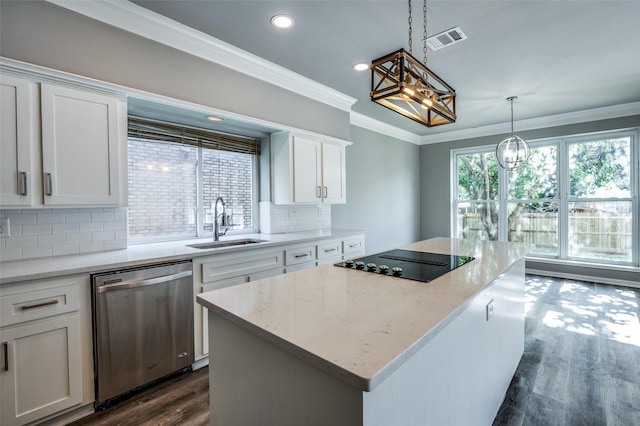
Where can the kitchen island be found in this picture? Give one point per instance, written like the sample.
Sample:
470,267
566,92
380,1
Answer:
336,346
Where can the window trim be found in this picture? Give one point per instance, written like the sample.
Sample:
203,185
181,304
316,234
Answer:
562,145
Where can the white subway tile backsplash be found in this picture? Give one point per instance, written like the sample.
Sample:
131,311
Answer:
78,237
78,217
114,226
93,246
102,217
103,236
64,249
54,232
36,229
7,255
41,251
49,217
51,240
21,218
90,226
64,228
20,241
277,219
114,244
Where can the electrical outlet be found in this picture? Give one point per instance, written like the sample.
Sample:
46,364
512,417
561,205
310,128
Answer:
5,231
489,309
293,214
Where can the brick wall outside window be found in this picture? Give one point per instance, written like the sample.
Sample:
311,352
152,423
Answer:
163,182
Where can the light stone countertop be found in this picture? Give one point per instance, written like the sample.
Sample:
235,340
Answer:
143,254
359,326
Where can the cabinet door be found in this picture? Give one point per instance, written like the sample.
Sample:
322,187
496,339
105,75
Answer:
80,151
16,142
41,372
307,179
333,174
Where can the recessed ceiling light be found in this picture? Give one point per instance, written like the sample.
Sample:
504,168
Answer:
282,21
361,66
214,118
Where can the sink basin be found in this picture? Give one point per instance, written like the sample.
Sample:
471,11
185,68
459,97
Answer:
220,244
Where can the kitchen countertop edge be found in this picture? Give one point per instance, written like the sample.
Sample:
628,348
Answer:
149,254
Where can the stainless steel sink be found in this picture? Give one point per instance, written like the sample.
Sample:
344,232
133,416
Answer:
221,244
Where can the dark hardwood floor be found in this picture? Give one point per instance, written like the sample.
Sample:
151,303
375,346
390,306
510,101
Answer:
581,366
182,400
581,362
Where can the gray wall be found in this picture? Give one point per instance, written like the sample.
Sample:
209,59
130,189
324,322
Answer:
383,190
435,184
44,34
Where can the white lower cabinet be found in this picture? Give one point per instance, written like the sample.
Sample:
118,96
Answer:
223,270
47,357
298,257
329,252
353,247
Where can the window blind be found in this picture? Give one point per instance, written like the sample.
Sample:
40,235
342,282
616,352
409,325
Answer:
146,128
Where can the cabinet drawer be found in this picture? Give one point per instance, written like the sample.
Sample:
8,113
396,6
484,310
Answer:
327,250
230,266
300,255
353,247
32,305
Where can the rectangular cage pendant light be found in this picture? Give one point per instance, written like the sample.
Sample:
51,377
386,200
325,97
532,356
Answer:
405,85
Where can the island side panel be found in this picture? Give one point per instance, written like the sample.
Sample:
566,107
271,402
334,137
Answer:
461,376
252,382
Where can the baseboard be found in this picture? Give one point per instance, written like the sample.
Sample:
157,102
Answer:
202,362
69,416
587,278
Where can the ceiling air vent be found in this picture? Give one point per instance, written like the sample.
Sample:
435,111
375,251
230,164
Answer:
445,38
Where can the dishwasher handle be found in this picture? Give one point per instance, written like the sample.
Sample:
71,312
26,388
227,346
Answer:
141,283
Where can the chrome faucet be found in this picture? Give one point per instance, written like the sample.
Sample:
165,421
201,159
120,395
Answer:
224,221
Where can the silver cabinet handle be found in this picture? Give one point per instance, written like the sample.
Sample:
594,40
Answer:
318,192
39,305
5,351
141,283
48,184
354,245
325,192
329,250
298,256
22,183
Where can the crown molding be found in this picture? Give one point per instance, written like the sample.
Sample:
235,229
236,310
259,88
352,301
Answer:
596,114
366,122
145,23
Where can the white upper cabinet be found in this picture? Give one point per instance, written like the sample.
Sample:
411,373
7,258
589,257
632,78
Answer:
19,165
334,186
80,147
61,146
306,171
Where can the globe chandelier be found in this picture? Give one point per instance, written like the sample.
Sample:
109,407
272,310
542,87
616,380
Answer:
403,84
512,152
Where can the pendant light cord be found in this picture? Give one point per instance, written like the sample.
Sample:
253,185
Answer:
410,31
424,32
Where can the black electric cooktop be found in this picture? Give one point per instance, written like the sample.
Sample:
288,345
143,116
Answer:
412,265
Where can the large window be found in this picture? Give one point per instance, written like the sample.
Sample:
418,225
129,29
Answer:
173,186
576,198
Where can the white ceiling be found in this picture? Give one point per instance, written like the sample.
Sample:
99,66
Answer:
558,57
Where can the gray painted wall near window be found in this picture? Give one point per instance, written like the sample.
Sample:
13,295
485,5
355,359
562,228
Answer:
382,190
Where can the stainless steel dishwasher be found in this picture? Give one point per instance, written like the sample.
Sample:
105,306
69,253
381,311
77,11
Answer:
143,326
